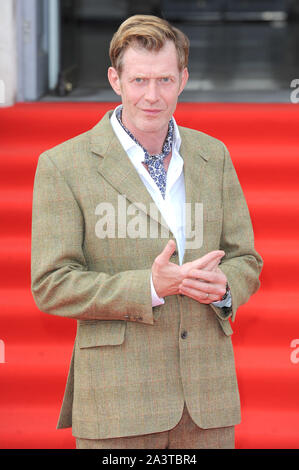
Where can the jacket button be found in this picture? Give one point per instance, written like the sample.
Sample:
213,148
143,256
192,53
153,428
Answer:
184,334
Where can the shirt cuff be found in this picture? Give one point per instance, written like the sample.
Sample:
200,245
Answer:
224,303
155,299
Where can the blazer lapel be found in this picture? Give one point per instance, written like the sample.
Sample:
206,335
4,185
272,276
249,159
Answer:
195,159
116,167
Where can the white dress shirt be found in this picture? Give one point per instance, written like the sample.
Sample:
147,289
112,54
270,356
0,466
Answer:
172,208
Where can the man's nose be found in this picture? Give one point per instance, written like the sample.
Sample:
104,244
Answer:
151,92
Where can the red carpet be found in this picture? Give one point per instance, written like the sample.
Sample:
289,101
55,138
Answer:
264,144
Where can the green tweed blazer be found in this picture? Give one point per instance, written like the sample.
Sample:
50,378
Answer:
131,371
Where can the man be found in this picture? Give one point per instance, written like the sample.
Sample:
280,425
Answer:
152,364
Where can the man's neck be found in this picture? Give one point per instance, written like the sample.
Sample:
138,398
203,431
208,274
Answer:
151,141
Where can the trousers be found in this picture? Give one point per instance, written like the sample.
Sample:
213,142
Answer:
185,435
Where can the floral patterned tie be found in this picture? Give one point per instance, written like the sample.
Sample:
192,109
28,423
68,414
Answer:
154,162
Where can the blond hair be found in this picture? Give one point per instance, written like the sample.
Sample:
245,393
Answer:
151,33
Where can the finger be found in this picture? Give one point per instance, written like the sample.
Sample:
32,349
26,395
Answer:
200,296
213,264
209,261
217,290
217,277
165,255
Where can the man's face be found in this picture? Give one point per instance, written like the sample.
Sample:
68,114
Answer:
149,86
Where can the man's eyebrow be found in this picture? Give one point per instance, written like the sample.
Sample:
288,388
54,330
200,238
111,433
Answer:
143,75
137,74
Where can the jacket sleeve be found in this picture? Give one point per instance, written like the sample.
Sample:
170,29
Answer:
61,282
241,264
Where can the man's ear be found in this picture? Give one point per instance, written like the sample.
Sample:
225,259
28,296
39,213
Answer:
114,80
184,79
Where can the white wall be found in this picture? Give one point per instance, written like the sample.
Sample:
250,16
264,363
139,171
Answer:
8,53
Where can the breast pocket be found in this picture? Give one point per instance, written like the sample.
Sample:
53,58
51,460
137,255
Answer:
98,333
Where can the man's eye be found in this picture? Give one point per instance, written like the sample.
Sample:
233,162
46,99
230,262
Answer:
165,79
138,80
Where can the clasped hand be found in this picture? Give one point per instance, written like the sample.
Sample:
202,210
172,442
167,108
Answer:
200,279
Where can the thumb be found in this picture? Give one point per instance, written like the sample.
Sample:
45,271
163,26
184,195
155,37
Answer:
169,249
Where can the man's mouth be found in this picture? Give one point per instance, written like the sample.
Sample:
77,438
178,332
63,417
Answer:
152,111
